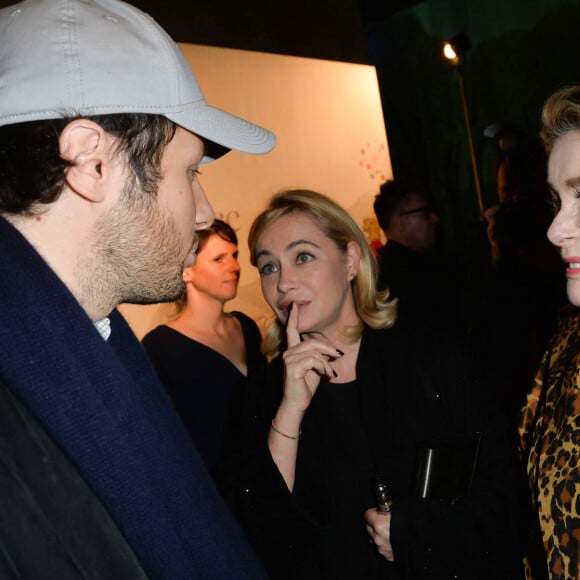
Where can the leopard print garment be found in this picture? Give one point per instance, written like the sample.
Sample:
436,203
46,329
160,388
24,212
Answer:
550,438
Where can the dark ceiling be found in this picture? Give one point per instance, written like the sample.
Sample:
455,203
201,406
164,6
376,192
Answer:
329,29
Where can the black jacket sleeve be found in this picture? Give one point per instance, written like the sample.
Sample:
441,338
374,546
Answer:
252,485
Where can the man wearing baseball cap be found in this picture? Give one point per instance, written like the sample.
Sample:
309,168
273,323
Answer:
103,128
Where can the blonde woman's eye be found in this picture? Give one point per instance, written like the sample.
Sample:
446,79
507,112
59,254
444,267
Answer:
267,269
304,257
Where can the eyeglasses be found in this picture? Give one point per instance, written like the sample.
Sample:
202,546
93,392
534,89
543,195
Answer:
426,210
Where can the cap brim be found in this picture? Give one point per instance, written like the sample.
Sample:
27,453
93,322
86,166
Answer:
223,130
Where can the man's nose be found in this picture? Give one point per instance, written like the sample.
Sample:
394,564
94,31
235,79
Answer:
204,214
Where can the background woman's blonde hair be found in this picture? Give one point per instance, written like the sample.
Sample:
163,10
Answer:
560,115
372,306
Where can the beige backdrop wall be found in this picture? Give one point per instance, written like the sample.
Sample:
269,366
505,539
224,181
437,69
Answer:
328,119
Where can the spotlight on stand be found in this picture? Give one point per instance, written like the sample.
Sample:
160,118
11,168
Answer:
449,53
454,51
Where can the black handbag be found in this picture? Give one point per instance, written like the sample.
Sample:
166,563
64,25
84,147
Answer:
445,466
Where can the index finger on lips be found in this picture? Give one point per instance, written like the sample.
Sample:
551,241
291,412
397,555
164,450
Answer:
292,335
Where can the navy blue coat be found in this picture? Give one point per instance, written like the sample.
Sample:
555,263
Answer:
103,406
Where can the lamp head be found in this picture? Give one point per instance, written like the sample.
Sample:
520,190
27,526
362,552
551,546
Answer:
450,54
454,50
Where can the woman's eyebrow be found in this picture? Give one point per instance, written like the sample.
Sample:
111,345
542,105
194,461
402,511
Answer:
263,253
300,242
290,246
571,182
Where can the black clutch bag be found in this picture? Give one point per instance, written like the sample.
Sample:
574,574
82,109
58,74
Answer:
445,467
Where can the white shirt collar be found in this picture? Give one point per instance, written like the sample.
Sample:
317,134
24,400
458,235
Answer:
104,327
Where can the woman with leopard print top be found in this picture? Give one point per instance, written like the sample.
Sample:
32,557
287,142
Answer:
550,422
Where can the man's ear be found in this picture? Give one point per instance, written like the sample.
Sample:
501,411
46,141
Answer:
87,146
186,275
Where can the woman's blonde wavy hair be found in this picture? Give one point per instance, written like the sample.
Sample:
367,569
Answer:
560,115
373,307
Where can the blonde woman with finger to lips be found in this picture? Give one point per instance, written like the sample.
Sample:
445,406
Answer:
352,397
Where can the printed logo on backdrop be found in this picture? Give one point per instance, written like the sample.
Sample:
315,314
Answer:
372,160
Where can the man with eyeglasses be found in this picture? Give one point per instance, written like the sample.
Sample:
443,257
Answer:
425,287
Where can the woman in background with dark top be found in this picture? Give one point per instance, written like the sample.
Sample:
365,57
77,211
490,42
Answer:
204,356
351,396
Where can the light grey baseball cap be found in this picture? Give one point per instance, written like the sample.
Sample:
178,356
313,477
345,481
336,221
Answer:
96,57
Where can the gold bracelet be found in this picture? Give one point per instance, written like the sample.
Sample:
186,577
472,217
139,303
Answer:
284,434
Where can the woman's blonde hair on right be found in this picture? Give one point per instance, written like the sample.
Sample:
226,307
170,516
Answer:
560,115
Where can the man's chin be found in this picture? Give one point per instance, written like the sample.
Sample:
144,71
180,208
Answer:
170,295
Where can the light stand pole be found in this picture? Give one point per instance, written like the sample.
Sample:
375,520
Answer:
453,51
